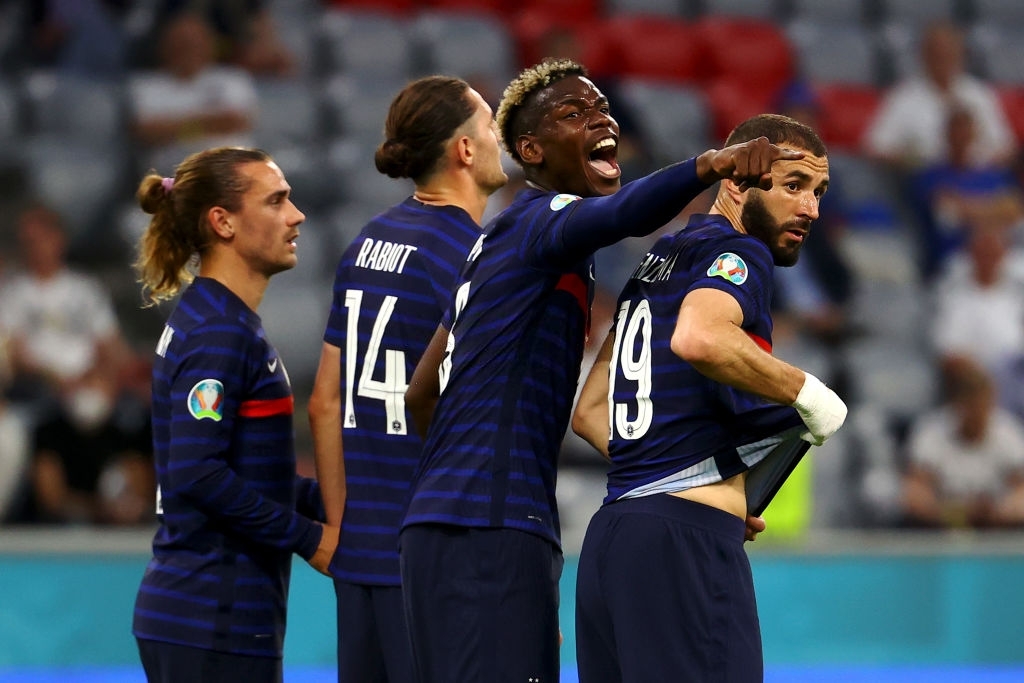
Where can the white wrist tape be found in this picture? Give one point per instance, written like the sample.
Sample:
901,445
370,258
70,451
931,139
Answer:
820,408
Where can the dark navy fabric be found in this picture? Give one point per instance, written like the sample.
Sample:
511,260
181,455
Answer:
692,618
390,290
230,507
665,415
481,604
518,324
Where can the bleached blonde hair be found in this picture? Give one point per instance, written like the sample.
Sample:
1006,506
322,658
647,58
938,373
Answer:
528,82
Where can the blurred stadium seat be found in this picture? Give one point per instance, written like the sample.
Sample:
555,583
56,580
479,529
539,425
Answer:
915,14
1000,12
999,50
75,108
290,113
534,31
845,112
476,47
768,10
732,102
365,44
396,6
656,48
832,52
10,112
356,108
1012,99
663,8
749,51
680,135
350,163
829,11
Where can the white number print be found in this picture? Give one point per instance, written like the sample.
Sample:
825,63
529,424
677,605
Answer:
390,390
445,371
634,369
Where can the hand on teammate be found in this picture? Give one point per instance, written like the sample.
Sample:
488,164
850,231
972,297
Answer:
321,560
748,164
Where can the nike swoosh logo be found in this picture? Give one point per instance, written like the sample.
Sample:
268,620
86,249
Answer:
272,365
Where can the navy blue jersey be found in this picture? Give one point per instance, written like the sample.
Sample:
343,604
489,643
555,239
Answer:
518,323
672,428
227,496
392,286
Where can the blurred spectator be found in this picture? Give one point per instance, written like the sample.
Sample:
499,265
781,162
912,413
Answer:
954,195
59,323
83,37
190,102
908,129
245,33
89,464
966,458
979,303
13,458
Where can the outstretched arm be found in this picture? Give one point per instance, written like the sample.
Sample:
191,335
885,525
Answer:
646,204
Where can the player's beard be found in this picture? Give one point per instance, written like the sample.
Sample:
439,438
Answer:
759,223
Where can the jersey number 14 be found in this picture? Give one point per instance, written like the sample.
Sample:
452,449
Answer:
390,390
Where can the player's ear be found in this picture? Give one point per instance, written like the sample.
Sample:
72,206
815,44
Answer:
731,190
529,149
464,150
220,222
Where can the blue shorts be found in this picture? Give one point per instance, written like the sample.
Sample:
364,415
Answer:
664,593
171,663
373,642
481,604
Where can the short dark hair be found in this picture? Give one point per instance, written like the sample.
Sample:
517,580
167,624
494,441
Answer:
511,123
422,117
780,130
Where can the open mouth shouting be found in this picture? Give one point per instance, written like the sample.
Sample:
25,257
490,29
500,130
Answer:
603,158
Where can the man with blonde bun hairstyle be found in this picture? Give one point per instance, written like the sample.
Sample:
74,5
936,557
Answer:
231,510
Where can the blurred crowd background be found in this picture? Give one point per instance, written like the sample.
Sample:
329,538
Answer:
909,297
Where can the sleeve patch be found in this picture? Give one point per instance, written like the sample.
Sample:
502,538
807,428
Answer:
729,266
206,400
560,201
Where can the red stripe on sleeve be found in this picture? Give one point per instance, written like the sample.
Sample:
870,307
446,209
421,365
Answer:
267,407
763,343
572,283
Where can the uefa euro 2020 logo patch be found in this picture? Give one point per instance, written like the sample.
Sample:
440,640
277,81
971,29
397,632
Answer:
560,201
207,400
731,267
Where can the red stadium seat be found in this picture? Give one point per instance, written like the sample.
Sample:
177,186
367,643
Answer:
539,34
845,113
655,48
744,50
1012,99
733,102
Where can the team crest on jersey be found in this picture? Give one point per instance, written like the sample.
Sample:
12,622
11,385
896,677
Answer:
560,201
206,400
731,267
